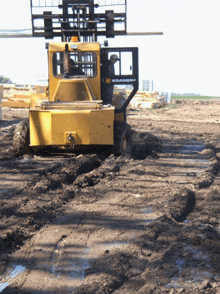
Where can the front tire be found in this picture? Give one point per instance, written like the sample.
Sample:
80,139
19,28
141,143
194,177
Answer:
122,139
21,139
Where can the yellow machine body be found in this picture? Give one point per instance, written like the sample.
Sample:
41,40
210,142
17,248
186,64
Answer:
87,127
72,113
94,82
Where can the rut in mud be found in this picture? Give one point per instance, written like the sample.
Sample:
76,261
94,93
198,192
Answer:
95,223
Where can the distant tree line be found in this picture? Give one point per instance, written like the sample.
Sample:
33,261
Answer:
4,80
185,94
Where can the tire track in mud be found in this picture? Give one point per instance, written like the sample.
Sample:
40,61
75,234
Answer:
32,210
182,203
207,178
194,269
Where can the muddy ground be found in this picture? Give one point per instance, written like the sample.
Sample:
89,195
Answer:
95,223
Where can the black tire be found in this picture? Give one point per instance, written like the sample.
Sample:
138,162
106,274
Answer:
122,139
21,139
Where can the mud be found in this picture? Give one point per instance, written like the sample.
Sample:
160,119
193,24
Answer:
96,223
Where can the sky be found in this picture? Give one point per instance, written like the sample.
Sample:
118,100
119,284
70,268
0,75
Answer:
185,59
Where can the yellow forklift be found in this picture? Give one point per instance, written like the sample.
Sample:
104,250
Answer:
79,108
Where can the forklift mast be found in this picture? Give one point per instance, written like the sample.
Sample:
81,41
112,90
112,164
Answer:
84,19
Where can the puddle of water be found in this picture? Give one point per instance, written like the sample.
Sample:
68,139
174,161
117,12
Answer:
199,277
195,278
78,269
24,160
17,270
180,263
147,210
191,174
56,258
78,266
149,214
3,286
75,267
198,160
207,274
190,149
148,221
184,149
173,284
198,254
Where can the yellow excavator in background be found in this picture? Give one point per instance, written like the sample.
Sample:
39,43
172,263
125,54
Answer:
79,109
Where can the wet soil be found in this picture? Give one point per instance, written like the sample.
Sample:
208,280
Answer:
96,223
